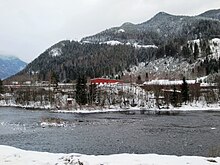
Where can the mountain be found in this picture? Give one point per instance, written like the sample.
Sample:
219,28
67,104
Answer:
196,62
10,65
116,51
69,59
160,28
214,14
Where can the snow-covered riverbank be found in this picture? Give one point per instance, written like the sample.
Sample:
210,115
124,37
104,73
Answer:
31,105
14,156
194,106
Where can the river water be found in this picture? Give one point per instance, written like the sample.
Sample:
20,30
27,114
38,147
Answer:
186,133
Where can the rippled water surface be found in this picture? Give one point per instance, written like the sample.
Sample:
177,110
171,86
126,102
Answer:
186,133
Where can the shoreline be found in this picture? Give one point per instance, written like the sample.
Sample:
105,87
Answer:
12,155
87,109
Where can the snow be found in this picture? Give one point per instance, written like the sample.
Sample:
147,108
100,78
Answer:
31,105
136,45
168,67
87,42
216,40
134,99
121,31
208,84
215,48
55,52
202,79
168,82
112,42
195,41
197,106
12,156
89,110
52,124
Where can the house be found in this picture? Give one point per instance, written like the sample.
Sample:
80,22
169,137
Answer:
27,83
98,81
14,83
168,85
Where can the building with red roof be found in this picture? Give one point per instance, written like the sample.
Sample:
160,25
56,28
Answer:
104,81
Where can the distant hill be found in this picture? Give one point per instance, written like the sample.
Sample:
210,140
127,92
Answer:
10,65
192,40
161,28
214,14
69,59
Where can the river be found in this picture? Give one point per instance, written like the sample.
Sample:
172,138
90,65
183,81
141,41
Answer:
186,133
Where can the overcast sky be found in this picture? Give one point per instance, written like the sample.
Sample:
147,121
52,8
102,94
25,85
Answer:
29,27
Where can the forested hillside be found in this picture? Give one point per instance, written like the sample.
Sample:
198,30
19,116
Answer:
69,59
162,28
192,41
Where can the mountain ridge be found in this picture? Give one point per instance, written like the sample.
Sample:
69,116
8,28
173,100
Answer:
10,65
114,50
157,24
214,14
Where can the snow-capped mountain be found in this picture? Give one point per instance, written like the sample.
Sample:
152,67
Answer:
10,65
160,28
166,46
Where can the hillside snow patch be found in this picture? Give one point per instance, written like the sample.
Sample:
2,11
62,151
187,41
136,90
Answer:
55,52
121,31
112,43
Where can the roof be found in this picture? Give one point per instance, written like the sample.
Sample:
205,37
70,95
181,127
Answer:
168,82
104,81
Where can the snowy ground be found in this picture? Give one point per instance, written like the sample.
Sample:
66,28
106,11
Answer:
14,156
195,106
142,101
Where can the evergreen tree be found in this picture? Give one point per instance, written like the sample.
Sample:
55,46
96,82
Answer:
1,86
81,90
54,78
185,91
208,50
196,51
146,77
92,93
217,81
186,52
174,98
139,81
